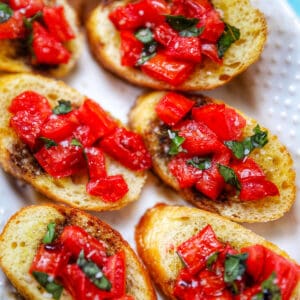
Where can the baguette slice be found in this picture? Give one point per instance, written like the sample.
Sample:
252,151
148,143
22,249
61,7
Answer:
24,232
104,42
163,228
273,158
12,62
18,161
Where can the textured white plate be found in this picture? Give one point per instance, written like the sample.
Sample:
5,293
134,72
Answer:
269,91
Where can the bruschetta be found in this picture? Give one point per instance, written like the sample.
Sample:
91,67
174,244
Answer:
194,254
218,158
38,36
52,252
67,147
182,45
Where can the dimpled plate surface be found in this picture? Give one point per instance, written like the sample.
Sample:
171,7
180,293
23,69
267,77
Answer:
268,91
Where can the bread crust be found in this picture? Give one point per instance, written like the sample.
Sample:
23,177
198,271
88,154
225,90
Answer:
162,228
19,162
11,62
273,158
104,43
24,232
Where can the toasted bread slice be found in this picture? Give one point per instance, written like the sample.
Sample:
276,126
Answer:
104,42
16,159
163,228
273,158
24,232
12,62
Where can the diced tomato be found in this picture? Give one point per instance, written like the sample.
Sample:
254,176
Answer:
185,48
126,297
199,139
13,28
131,49
110,189
57,25
96,162
62,160
47,49
59,127
114,269
247,168
75,239
128,148
224,121
32,102
164,68
28,126
27,7
164,34
84,134
195,250
211,51
211,283
186,174
50,261
94,116
173,107
192,8
249,293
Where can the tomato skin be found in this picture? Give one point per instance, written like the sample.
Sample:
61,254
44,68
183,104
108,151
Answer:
164,34
28,7
214,284
94,116
210,50
84,134
57,25
13,28
128,148
247,168
110,189
191,8
47,49
131,49
50,261
224,121
96,162
75,239
164,68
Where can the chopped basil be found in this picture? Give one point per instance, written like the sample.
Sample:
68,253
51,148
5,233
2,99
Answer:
29,21
48,142
180,23
144,57
230,35
229,176
244,148
50,234
176,142
48,284
212,259
92,271
200,163
144,35
234,266
270,290
63,107
191,31
181,259
5,12
75,142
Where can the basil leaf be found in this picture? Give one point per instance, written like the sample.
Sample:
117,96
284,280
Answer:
149,51
50,234
144,57
76,143
48,142
28,21
270,289
5,12
48,284
180,23
200,163
244,148
229,176
234,266
181,259
191,31
144,35
212,259
230,35
93,272
63,107
176,142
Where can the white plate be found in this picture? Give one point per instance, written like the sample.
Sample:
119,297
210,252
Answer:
268,91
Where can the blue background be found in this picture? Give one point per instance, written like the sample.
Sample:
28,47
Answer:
296,5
